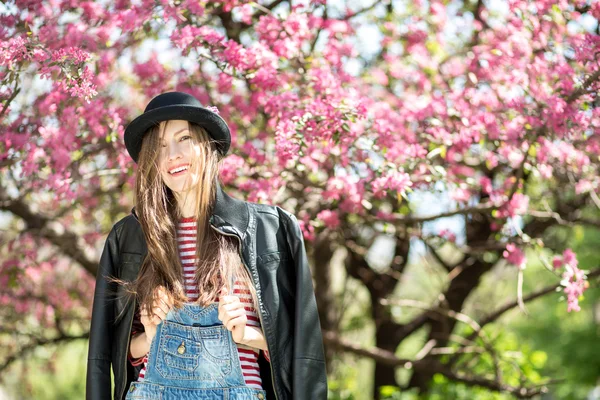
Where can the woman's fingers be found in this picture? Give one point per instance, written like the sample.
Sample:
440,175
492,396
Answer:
229,302
165,303
162,302
228,305
237,321
159,312
160,308
229,316
156,319
165,297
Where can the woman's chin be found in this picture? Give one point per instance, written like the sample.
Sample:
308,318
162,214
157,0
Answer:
181,190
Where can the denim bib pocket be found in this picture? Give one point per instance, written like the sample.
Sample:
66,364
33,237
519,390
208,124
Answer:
180,357
217,348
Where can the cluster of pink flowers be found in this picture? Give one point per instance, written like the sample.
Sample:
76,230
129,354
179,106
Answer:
396,182
346,190
517,205
330,218
573,278
448,235
284,36
514,255
13,51
153,76
231,167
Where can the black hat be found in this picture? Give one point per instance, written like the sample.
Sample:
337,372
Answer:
176,105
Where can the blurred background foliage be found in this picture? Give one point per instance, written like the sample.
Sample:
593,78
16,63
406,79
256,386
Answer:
546,342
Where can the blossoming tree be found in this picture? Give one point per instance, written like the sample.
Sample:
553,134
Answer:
343,116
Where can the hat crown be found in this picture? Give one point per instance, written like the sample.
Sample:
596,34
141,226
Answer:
172,99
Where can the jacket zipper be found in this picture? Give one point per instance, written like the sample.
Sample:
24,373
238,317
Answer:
259,311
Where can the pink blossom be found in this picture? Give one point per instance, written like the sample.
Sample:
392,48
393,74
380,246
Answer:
224,82
329,218
583,186
194,6
545,170
515,256
348,191
213,109
394,181
246,13
595,10
185,37
307,229
448,235
461,195
518,205
231,168
385,216
570,258
284,36
486,184
210,35
266,78
557,262
287,143
13,51
575,284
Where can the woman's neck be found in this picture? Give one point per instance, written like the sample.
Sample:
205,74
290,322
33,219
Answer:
186,204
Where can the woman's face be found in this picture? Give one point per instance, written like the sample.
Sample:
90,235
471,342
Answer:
179,149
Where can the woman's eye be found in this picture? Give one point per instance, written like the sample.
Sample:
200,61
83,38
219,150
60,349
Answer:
183,137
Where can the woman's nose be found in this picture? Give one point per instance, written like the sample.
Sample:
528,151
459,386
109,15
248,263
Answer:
174,152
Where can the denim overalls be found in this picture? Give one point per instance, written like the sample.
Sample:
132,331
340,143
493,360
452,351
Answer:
193,356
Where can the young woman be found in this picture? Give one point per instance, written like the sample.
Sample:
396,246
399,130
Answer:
224,306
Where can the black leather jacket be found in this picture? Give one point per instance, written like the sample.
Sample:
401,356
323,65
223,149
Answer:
272,248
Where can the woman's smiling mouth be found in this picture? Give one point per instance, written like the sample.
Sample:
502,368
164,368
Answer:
179,170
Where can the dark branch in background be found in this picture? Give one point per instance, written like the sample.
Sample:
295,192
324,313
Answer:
264,9
514,303
437,256
42,226
389,358
402,220
377,354
363,10
519,392
16,91
35,344
583,89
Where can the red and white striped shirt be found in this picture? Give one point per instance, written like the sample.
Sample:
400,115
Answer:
186,240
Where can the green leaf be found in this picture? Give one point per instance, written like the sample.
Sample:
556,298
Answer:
538,359
388,390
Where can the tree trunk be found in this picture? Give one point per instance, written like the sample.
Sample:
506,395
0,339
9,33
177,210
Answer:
322,254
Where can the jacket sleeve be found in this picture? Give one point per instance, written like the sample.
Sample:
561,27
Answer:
98,380
309,358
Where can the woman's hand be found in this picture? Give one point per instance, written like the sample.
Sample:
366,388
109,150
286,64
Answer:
233,315
160,307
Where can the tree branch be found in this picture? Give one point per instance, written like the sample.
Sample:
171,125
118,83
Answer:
39,342
390,359
44,227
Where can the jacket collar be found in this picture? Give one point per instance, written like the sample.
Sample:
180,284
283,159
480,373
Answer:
227,213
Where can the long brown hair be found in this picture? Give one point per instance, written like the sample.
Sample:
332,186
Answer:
156,206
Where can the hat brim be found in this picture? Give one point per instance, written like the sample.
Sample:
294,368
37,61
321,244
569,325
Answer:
211,121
